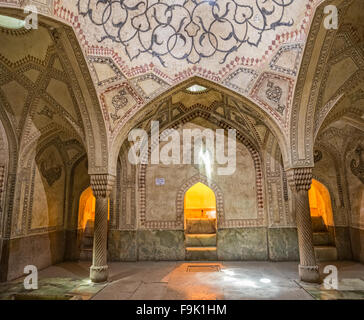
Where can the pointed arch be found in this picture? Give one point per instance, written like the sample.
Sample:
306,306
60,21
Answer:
306,95
257,159
120,136
321,202
67,46
188,184
10,161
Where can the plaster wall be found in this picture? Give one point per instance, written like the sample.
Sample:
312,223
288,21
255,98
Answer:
238,189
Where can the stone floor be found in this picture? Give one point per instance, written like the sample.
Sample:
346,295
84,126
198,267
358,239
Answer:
185,280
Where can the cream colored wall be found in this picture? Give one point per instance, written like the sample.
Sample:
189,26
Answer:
240,198
239,189
48,202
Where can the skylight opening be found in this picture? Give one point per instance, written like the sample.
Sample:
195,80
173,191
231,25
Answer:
196,88
11,23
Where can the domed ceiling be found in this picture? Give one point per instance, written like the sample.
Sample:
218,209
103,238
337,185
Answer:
252,47
138,49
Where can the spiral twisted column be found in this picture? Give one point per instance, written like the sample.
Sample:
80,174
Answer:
101,186
300,180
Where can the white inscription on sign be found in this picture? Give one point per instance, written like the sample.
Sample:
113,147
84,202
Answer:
160,181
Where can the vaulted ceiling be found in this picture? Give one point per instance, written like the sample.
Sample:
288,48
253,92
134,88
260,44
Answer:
138,51
46,89
339,115
35,90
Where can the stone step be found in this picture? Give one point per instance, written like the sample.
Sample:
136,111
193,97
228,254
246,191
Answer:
322,239
325,253
86,254
88,233
87,241
201,254
318,224
201,240
200,226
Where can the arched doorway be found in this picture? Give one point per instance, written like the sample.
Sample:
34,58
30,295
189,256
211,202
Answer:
322,222
86,211
200,222
86,220
320,203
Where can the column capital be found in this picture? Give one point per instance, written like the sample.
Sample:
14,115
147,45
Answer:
299,179
102,185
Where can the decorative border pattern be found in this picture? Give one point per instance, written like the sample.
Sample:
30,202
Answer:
285,48
212,185
283,120
225,223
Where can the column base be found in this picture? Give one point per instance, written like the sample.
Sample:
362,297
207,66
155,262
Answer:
309,274
99,274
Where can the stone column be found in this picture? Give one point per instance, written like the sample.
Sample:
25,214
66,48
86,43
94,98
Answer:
300,180
101,187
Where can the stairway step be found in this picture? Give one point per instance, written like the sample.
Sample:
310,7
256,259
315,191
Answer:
86,254
201,240
87,241
201,254
200,226
318,224
322,239
325,253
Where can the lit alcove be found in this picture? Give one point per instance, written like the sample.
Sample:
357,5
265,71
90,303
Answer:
86,222
200,202
320,203
200,223
86,213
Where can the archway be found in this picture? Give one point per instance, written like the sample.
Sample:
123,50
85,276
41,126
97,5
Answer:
200,221
86,220
86,211
320,203
200,202
322,222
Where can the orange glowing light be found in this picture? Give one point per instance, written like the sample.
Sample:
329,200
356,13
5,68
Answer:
86,211
200,202
320,202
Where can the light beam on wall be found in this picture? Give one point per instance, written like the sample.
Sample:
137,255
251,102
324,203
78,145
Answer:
206,160
11,23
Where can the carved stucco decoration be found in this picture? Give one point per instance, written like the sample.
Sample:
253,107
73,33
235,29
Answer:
189,30
357,167
119,101
317,155
50,170
308,86
251,32
53,93
337,145
252,148
274,93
